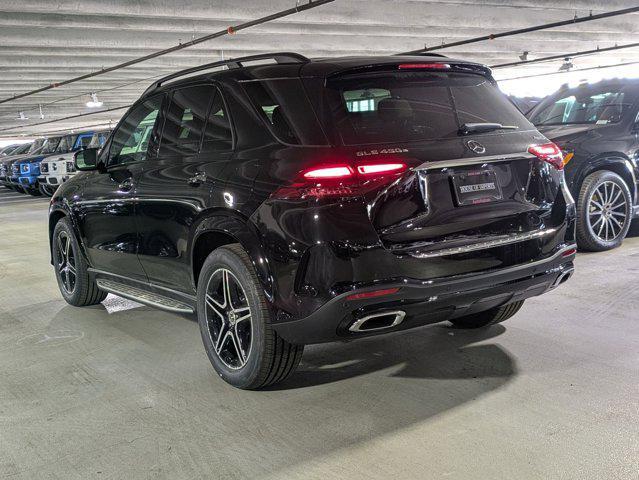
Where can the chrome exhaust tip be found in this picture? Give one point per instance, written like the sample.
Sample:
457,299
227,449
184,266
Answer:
562,278
378,321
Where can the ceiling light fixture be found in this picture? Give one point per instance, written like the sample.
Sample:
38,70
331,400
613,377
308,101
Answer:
94,102
22,116
524,56
567,65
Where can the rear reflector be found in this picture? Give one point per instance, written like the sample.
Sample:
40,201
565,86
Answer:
570,252
548,152
340,171
373,294
431,66
381,168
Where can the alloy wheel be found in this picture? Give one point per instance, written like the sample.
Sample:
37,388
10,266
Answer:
66,262
607,211
228,318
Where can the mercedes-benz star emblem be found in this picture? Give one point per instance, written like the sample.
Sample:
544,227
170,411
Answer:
476,147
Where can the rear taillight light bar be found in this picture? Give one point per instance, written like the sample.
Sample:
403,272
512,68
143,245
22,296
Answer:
337,172
548,152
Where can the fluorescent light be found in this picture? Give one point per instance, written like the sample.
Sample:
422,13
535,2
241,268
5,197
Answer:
94,102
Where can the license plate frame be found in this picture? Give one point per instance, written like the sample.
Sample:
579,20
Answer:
473,187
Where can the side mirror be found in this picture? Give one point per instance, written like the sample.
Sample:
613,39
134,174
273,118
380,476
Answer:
86,159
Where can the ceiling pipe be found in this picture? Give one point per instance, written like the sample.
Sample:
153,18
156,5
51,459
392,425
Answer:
600,67
566,55
26,125
228,31
510,33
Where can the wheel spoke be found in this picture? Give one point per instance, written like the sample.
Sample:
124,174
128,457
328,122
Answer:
593,225
227,290
619,205
238,347
596,203
613,219
601,227
221,340
213,305
615,197
619,214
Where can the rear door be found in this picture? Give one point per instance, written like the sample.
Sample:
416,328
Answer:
176,187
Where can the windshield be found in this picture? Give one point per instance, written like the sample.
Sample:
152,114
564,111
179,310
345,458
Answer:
50,145
98,139
393,107
583,107
37,145
66,144
22,149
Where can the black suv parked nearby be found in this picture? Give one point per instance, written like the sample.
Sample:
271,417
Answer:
597,127
304,201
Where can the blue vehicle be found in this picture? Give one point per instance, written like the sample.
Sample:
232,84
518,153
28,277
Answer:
25,171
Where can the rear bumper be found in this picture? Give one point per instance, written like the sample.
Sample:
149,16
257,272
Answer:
425,302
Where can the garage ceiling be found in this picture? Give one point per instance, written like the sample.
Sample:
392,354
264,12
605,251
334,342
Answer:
49,41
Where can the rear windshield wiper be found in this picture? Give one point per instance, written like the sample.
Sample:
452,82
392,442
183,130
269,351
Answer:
468,128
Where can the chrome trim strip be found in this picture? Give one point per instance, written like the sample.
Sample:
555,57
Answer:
139,199
356,326
462,162
495,242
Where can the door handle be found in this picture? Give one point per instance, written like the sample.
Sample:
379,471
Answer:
197,179
126,185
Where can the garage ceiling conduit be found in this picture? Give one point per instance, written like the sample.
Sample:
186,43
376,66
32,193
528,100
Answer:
536,28
566,55
229,31
600,67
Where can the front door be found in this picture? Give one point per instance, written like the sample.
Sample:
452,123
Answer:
106,212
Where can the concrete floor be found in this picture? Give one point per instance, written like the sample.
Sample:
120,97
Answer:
125,391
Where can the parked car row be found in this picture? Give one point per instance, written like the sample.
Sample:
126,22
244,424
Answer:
41,167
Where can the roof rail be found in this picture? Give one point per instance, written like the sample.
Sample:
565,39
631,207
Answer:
232,63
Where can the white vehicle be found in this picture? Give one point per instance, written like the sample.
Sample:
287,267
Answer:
59,167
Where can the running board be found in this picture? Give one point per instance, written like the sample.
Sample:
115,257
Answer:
143,296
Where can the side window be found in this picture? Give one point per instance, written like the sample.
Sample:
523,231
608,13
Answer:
217,133
185,118
131,140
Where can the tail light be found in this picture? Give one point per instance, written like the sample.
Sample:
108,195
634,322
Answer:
341,180
548,152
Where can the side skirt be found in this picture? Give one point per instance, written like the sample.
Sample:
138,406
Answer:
144,292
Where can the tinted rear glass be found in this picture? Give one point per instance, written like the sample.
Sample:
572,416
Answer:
392,107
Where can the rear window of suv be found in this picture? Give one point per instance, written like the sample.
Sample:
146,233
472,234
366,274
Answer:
394,107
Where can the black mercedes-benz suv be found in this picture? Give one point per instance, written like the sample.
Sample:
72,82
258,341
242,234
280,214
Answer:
291,201
597,127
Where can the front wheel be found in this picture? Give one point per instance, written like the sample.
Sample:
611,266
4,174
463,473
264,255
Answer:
71,270
603,211
489,317
235,323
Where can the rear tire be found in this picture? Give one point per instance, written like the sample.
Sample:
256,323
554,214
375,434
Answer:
34,192
489,317
235,323
600,226
71,270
